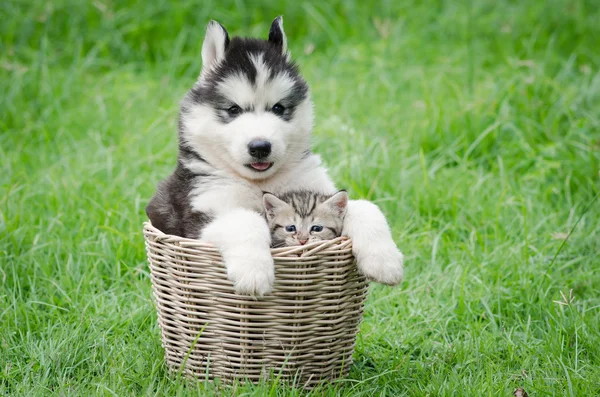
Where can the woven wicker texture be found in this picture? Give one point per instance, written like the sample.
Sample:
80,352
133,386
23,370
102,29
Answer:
303,332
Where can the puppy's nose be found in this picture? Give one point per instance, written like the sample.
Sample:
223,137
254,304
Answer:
259,148
302,242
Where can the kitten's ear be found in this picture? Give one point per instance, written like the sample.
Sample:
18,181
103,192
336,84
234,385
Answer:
272,204
215,43
277,35
338,203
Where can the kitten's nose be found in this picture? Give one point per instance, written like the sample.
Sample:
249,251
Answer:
303,241
259,148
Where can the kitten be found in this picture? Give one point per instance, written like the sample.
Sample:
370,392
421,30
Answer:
301,217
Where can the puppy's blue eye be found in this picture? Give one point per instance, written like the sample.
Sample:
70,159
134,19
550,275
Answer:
234,110
316,228
290,228
278,109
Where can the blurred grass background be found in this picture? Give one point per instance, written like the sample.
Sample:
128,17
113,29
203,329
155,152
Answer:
474,125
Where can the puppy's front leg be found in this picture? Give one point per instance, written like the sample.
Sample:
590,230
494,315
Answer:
376,254
244,240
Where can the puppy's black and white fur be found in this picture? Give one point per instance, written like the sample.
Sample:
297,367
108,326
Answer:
245,128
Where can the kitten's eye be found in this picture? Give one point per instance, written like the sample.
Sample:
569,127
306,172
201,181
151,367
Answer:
234,110
316,228
278,109
290,228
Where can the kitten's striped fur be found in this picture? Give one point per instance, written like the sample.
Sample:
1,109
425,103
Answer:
312,216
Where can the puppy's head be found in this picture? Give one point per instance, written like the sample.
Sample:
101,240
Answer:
250,111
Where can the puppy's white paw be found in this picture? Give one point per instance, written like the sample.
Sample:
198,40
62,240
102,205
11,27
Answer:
244,239
253,275
382,264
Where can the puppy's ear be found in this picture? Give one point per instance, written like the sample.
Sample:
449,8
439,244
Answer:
338,203
277,35
272,205
215,43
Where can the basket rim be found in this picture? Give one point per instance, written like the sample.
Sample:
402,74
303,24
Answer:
185,242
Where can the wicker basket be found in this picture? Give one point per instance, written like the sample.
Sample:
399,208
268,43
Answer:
304,332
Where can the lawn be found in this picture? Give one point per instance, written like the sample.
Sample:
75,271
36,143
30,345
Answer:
474,125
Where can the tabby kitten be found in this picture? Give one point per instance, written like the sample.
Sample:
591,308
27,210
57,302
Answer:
300,217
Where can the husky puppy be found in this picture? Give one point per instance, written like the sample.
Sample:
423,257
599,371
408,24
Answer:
245,128
299,217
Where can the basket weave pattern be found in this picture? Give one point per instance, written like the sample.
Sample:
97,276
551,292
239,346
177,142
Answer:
303,332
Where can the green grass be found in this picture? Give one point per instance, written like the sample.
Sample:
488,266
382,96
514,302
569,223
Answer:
474,125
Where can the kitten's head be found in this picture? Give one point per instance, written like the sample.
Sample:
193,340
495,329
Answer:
298,218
